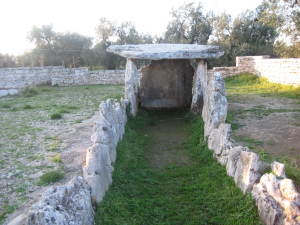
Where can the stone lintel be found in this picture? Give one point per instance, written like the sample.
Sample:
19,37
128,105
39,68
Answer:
166,51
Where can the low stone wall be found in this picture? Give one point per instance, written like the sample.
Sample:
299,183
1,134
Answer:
12,80
283,71
276,197
85,77
109,130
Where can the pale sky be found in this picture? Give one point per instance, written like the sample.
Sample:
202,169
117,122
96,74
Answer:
17,17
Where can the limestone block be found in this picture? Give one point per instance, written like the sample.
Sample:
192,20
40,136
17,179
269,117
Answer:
278,169
98,170
166,51
233,158
249,169
68,204
269,210
132,85
277,200
219,142
197,99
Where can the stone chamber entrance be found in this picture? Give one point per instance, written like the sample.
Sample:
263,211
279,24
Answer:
166,84
169,81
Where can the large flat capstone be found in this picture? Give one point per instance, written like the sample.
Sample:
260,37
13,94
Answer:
166,51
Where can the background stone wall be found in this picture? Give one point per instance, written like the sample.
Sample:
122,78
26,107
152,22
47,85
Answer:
284,71
83,76
14,79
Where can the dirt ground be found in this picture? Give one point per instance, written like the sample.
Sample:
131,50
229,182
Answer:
270,124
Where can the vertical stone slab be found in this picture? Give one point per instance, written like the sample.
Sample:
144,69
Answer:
131,86
197,99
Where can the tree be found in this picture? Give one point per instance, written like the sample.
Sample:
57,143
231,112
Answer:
54,48
7,60
189,24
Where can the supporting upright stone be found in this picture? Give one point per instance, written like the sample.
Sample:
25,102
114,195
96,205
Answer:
197,100
131,86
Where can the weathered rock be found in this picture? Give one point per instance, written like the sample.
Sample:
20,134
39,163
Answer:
277,200
98,171
69,204
197,100
166,51
233,158
219,142
215,103
249,169
269,210
278,169
166,84
131,86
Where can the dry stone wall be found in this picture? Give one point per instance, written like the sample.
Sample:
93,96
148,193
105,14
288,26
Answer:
12,80
109,130
85,77
276,197
283,71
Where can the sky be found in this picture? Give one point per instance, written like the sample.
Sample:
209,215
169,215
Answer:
17,17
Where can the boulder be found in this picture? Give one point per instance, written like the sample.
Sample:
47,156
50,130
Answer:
277,200
68,204
249,169
219,142
233,158
278,169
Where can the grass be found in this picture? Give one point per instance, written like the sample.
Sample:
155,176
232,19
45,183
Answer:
55,116
29,92
50,177
56,158
199,193
246,83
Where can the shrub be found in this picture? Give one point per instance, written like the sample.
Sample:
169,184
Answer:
56,158
29,92
50,177
55,116
27,107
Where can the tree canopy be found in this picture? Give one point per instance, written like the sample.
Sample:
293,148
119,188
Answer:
272,28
